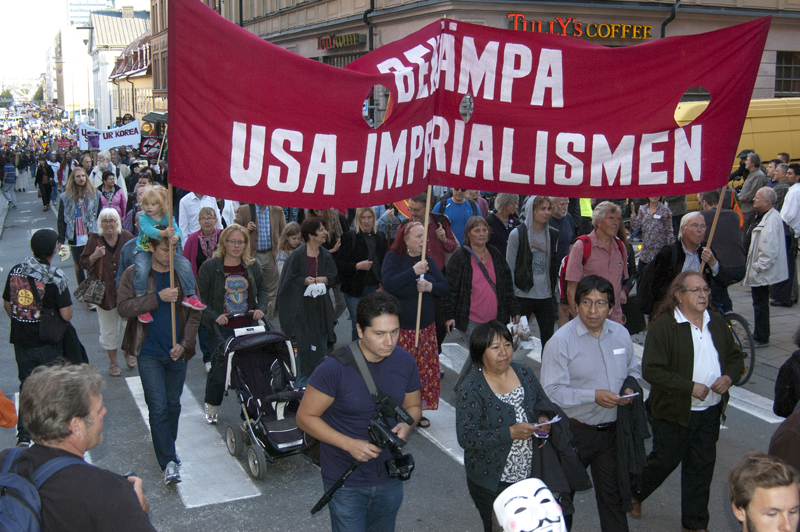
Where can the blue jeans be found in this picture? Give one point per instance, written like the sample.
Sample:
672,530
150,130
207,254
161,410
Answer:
352,303
182,267
162,381
372,509
10,194
202,337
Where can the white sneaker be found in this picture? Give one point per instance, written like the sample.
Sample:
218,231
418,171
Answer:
208,367
211,414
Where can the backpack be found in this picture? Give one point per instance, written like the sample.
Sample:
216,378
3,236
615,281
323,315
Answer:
445,202
587,252
20,505
787,386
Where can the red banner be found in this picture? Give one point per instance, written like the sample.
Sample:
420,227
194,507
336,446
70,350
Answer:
553,115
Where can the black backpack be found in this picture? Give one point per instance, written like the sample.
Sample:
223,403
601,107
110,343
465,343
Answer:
20,505
472,203
787,386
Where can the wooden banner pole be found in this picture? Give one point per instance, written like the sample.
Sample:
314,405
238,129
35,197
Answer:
424,251
714,224
171,269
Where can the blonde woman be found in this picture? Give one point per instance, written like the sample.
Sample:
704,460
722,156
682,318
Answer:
359,261
231,285
77,216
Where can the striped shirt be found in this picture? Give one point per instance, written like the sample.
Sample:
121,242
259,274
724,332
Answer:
264,241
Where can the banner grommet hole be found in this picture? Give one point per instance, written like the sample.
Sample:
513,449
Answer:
377,106
466,108
692,104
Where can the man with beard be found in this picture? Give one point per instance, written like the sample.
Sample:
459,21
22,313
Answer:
765,494
104,163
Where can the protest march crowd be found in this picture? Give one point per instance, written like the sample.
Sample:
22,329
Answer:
167,282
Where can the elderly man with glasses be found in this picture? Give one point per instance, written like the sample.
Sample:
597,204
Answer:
687,254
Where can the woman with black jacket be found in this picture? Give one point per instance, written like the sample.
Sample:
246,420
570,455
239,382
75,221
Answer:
359,261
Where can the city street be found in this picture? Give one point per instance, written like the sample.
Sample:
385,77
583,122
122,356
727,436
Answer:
218,494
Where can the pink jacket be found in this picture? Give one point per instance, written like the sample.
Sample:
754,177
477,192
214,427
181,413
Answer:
118,201
190,248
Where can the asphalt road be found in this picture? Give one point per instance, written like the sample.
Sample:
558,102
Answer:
217,494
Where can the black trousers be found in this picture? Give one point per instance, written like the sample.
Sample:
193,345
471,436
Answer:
28,359
782,292
599,450
215,381
484,501
695,448
760,296
544,312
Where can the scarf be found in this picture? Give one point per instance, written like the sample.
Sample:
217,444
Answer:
208,247
44,273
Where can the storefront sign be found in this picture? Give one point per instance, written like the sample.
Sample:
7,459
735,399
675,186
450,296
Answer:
328,42
570,27
550,116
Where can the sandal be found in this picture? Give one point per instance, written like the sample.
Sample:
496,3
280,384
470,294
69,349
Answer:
114,370
130,360
424,423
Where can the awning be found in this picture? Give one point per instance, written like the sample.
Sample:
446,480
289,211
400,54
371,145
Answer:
155,117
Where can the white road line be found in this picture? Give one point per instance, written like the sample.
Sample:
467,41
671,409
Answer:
442,430
210,475
86,456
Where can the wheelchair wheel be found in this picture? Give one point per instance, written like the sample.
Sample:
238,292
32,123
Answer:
741,333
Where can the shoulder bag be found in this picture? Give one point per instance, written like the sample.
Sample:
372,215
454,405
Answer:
51,325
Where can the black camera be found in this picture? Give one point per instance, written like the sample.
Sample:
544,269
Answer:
381,435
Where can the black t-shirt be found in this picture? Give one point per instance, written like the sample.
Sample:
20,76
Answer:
25,311
237,290
83,498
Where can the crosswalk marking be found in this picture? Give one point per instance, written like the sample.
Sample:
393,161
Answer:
441,431
210,475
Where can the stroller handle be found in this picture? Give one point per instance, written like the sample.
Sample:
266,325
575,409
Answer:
283,396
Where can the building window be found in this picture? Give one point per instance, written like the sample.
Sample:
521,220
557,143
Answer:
787,75
164,78
156,74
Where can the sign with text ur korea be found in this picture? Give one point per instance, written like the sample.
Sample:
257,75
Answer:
554,115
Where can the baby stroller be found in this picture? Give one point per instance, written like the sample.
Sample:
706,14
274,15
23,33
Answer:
261,370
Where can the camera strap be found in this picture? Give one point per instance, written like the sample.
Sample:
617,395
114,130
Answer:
355,358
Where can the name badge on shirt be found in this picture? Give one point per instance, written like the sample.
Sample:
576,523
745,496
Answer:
657,216
620,351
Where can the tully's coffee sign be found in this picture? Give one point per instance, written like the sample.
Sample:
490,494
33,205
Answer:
570,27
330,41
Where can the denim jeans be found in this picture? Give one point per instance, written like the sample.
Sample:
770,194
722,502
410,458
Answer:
162,381
8,192
183,268
352,303
28,359
372,509
202,337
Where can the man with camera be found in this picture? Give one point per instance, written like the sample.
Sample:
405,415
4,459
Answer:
359,443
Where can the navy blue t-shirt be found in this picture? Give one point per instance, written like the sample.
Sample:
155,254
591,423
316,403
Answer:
352,409
158,341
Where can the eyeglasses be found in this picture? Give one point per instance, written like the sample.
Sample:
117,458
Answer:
600,304
695,227
235,242
108,222
206,219
459,189
706,290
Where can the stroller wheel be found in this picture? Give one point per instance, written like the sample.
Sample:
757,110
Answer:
257,462
234,440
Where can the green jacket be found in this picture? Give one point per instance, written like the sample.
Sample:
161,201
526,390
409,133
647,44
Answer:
211,289
668,364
